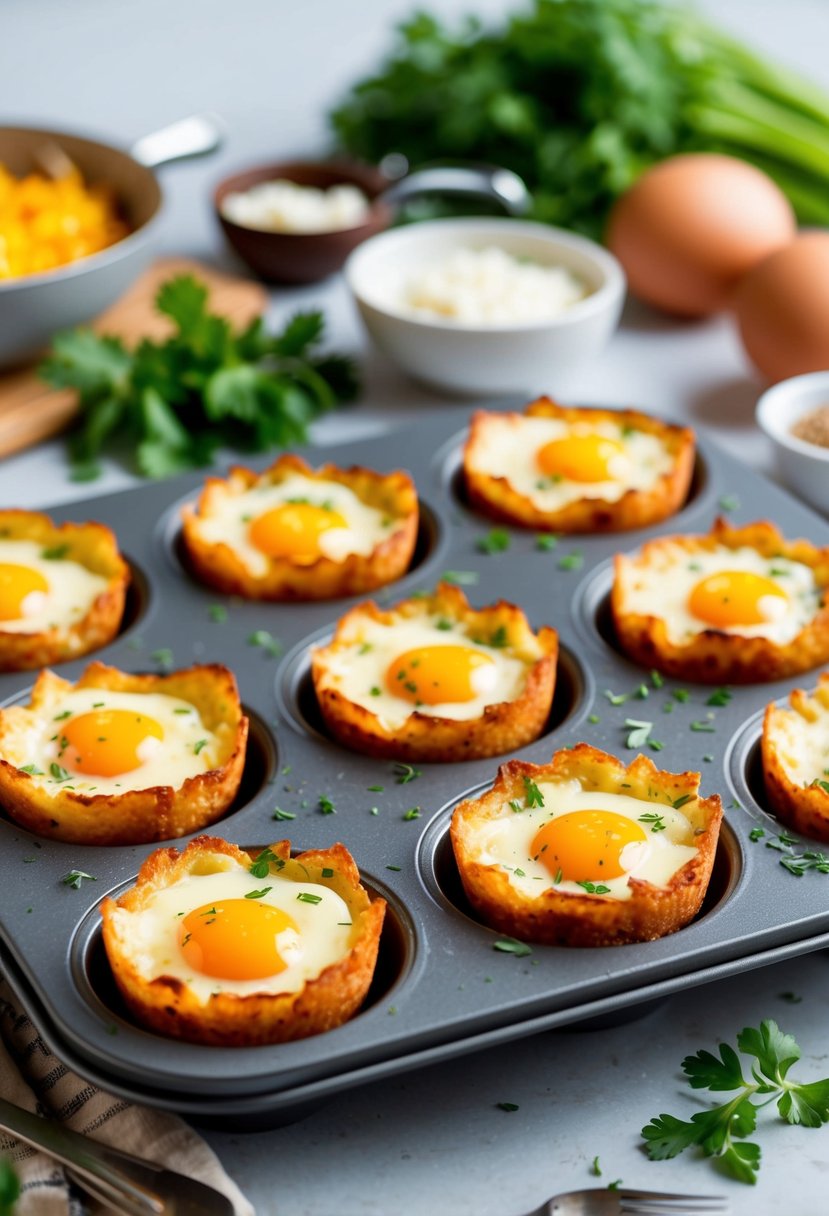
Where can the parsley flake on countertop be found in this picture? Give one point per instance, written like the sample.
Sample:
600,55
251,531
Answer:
511,945
177,401
496,541
75,878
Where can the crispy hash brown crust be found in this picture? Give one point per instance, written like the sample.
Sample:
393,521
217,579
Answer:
501,728
168,1006
496,497
711,656
135,816
804,808
219,566
557,918
91,545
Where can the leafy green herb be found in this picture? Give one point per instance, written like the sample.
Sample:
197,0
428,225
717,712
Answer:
258,894
656,821
55,553
396,869
9,1188
278,813
496,541
721,697
403,774
532,794
703,727
326,805
595,1169
261,867
75,878
267,642
177,401
642,692
412,813
681,694
443,624
163,657
593,719
616,698
656,678
820,784
461,578
571,561
32,770
729,502
197,746
594,888
798,863
721,1131
507,1106
510,945
67,713
217,613
499,638
58,772
791,998
546,541
306,897
678,803
638,732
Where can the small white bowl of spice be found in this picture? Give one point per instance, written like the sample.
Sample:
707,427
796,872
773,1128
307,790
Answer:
795,416
487,306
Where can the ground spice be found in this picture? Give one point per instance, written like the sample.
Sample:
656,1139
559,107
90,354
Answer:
814,427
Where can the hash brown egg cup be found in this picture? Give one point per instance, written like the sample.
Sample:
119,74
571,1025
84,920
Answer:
553,893
434,679
203,1008
119,759
570,469
62,589
297,533
795,754
739,605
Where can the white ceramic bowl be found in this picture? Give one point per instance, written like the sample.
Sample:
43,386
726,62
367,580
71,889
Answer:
523,357
803,466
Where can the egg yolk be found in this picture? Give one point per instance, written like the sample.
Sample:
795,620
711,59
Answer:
580,457
430,675
293,529
234,939
585,846
108,742
16,584
737,597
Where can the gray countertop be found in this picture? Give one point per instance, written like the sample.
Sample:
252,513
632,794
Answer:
434,1140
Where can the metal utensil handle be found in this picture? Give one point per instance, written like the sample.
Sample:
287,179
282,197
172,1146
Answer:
83,1156
193,136
484,181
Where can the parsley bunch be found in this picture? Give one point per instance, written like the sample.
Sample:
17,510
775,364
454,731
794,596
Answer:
721,1132
176,401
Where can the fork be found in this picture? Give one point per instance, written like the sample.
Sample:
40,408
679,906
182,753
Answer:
601,1201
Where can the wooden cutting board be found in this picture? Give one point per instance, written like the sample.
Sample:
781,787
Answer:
30,411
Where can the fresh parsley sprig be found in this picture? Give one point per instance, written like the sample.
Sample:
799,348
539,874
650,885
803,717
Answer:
721,1132
176,401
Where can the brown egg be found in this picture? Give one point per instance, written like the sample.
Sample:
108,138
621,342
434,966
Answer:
692,226
782,309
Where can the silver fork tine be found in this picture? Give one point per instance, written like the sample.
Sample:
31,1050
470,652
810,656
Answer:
652,1203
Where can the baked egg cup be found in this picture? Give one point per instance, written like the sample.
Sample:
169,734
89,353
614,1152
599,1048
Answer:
494,494
93,547
167,1005
567,918
37,794
797,784
298,575
500,727
712,655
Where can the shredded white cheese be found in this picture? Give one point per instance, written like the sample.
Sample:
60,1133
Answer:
283,206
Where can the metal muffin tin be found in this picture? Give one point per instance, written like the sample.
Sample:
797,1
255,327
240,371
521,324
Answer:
441,987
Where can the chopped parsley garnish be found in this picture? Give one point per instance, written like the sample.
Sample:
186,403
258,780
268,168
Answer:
375,691
59,773
594,888
721,1131
307,897
32,770
820,784
261,867
593,719
266,642
163,657
532,794
54,553
404,773
495,541
326,805
571,561
703,727
198,745
365,648
258,894
511,945
75,877
616,698
376,789
67,713
656,821
681,801
545,542
443,625
507,1106
499,638
681,694
278,813
396,869
642,692
217,613
461,578
595,1168
729,502
182,711
412,813
721,697
656,678
638,732
516,805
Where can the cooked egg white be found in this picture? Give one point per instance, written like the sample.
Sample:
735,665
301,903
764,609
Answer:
583,837
429,664
94,740
213,934
802,743
552,463
735,591
39,593
300,518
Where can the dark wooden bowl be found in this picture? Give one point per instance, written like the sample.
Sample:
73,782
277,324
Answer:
303,257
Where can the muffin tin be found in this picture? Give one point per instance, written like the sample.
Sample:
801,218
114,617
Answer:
442,986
